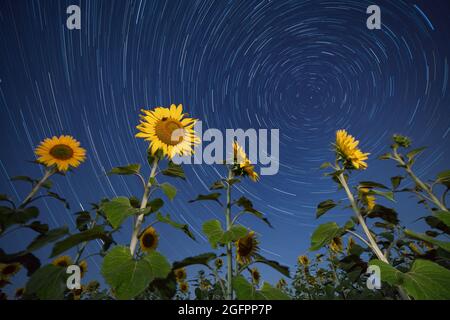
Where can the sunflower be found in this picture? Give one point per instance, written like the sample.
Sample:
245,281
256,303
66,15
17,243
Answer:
83,267
368,199
218,263
281,284
336,245
205,285
63,152
246,248
303,260
149,239
256,276
240,159
347,149
62,261
8,270
184,287
180,274
168,130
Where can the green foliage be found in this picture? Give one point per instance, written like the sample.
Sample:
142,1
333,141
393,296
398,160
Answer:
169,190
323,235
48,283
216,235
183,227
129,277
126,170
324,207
246,291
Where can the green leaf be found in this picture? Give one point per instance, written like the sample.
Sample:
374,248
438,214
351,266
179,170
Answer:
217,185
246,291
323,235
96,232
38,227
325,165
395,181
44,239
48,283
247,205
324,206
213,231
212,196
413,153
169,221
425,281
444,178
235,233
442,244
387,214
201,259
388,194
174,170
56,196
24,178
444,216
117,210
126,170
169,190
284,270
129,277
155,205
10,217
371,184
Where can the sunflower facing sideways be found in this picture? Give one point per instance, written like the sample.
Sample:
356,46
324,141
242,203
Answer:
246,248
149,240
62,152
240,158
169,130
62,261
347,150
180,274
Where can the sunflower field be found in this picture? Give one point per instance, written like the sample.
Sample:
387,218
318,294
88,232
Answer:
412,265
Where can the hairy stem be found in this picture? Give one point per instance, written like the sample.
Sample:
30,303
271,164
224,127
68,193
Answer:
140,218
229,248
48,173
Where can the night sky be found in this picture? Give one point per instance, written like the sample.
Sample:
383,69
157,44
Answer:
307,68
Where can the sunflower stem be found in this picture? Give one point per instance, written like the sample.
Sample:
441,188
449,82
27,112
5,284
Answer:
229,248
47,174
140,218
362,222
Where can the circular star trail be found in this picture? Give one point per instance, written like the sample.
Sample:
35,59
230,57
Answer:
307,68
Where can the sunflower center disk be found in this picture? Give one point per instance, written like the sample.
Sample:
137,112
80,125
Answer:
246,247
170,131
148,240
61,152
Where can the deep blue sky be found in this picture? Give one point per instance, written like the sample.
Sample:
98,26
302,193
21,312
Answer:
307,68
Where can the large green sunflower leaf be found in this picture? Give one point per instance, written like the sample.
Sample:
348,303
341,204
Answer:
48,283
129,277
323,235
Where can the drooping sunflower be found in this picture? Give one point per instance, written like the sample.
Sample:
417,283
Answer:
62,261
8,270
168,129
256,276
83,267
247,247
149,239
180,274
347,150
184,287
303,260
240,159
62,152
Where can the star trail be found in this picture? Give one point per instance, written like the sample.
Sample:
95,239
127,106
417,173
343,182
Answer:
306,68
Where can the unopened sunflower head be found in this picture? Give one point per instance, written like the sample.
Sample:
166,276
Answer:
8,270
168,130
247,247
62,261
149,240
242,164
62,152
218,263
347,151
180,274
